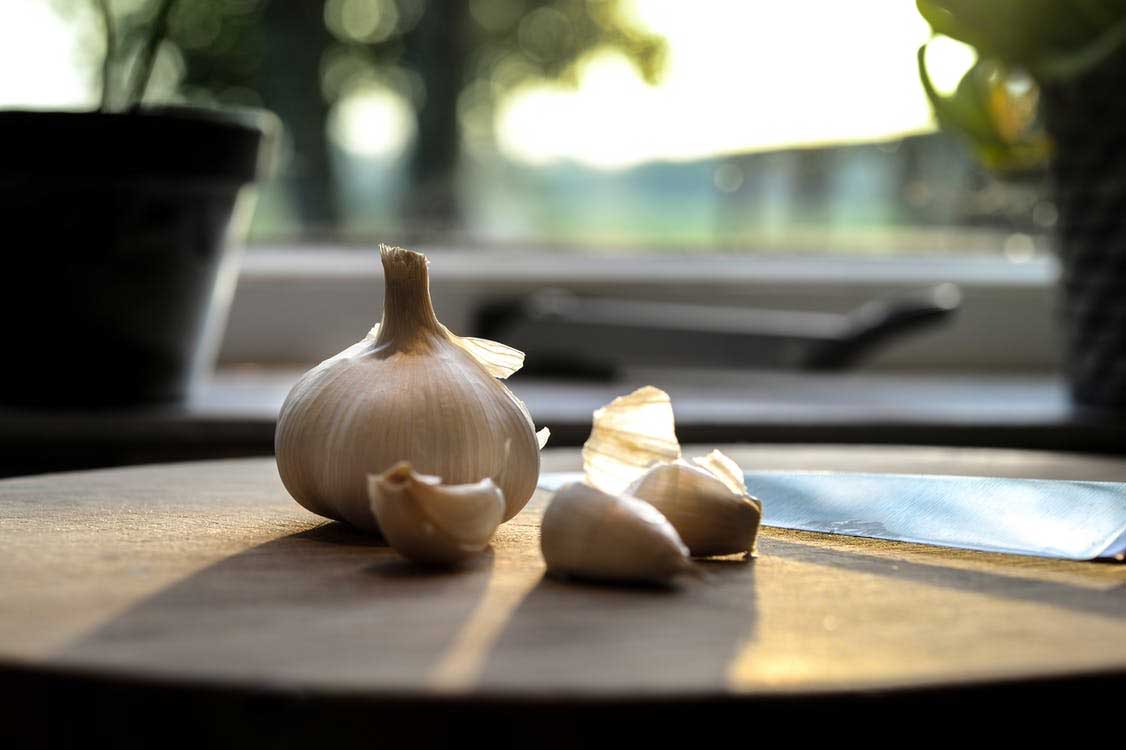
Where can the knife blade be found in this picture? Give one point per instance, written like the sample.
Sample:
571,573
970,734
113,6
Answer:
1064,519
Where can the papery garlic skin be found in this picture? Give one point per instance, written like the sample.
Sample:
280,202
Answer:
587,533
710,518
410,391
430,522
629,435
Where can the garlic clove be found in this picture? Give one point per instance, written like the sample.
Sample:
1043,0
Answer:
430,522
409,391
709,516
629,435
588,533
633,449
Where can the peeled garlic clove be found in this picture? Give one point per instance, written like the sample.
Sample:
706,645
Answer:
410,391
710,518
629,435
430,522
588,533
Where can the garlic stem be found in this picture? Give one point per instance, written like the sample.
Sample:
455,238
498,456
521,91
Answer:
408,313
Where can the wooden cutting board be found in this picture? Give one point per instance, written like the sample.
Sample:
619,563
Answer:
209,575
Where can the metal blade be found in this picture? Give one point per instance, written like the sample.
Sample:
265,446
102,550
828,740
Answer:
1046,518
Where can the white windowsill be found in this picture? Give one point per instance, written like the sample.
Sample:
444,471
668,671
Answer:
299,305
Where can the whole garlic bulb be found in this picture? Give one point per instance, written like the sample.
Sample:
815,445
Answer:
409,391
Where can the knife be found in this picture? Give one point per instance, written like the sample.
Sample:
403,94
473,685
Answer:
1068,520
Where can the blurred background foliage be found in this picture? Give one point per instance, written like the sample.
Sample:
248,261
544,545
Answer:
592,123
452,62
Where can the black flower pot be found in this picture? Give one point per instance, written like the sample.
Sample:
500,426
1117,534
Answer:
1086,118
119,230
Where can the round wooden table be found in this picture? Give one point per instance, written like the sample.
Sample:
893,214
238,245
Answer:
202,595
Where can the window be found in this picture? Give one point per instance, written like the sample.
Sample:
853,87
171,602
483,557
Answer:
560,128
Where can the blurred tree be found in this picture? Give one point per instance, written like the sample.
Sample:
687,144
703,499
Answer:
457,60
232,52
454,61
267,53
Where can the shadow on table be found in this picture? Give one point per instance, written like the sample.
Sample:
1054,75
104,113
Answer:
1107,602
319,605
593,638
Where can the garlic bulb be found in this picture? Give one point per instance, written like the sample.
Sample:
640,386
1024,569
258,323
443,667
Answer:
633,449
430,522
409,391
588,533
710,517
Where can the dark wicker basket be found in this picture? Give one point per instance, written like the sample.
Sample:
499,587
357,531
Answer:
1086,118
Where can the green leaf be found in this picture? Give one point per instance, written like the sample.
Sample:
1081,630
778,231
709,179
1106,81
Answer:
970,113
110,54
965,110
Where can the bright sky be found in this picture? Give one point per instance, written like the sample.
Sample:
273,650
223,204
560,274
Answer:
739,76
40,59
372,121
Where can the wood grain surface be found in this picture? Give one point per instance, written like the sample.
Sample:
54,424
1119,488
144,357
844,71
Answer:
209,573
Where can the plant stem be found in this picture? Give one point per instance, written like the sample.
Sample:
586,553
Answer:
142,68
107,59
